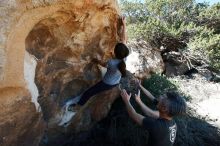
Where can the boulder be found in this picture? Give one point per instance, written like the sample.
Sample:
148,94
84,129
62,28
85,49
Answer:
45,53
144,59
20,124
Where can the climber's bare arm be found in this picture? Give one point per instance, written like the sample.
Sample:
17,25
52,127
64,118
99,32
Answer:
102,63
138,118
124,34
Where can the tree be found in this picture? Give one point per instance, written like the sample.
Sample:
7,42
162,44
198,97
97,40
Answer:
177,25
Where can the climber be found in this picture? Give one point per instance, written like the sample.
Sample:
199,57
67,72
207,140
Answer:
116,68
160,124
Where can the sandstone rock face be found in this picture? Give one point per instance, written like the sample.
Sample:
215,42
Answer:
63,45
20,124
45,53
20,17
91,113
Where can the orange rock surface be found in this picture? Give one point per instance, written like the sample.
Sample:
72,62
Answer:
45,53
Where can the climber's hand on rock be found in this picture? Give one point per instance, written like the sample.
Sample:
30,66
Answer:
95,60
123,20
112,54
99,62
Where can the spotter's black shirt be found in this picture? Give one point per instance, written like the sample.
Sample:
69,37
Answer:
162,132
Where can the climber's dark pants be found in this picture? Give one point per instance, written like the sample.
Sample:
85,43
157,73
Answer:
97,88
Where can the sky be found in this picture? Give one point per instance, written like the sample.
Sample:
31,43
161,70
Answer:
209,1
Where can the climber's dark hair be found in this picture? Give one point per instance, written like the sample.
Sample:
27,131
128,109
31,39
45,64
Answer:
176,104
121,51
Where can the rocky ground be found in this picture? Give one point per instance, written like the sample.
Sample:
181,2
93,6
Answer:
201,125
204,97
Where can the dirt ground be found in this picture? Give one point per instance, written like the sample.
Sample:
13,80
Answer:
204,97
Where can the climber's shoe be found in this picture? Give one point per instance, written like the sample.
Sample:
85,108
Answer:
70,100
73,107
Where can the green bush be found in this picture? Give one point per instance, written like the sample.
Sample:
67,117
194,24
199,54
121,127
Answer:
158,85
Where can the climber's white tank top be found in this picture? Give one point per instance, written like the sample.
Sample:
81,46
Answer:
112,75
